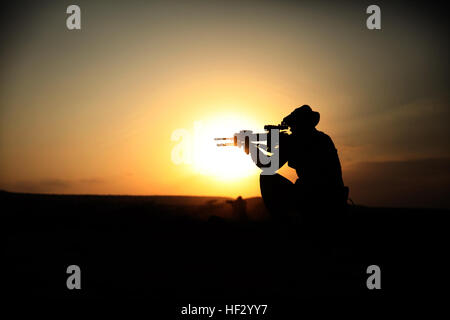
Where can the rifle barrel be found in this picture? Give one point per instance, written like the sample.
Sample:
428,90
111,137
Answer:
225,144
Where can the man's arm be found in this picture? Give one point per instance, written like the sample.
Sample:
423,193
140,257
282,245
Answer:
284,148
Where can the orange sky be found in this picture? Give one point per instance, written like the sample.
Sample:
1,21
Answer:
93,111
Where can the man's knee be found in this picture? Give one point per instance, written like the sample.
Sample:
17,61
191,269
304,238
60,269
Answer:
269,181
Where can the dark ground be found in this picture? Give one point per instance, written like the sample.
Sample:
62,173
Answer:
170,251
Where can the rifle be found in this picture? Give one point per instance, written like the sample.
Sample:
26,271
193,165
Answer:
258,145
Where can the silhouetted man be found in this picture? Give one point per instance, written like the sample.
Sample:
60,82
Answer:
319,188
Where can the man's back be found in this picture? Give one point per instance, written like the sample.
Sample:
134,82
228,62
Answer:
314,157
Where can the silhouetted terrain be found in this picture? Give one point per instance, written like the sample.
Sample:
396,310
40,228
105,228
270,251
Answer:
187,249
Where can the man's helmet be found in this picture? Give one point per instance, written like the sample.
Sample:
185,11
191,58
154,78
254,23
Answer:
302,117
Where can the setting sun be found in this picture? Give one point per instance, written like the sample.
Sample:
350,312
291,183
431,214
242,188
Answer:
222,163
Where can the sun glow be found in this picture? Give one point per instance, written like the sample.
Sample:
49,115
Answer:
222,163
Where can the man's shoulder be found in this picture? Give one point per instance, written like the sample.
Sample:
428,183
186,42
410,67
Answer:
322,137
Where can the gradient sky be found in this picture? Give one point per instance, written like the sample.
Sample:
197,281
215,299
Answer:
93,111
